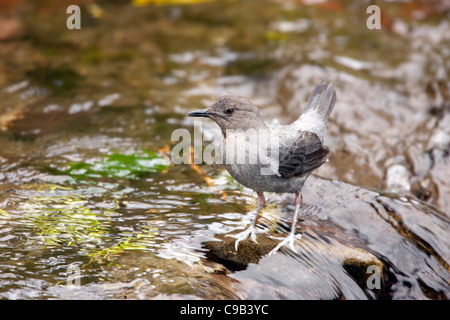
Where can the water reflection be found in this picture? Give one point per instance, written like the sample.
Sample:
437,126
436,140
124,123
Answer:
86,121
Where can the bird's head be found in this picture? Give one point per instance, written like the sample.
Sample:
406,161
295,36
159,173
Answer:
232,113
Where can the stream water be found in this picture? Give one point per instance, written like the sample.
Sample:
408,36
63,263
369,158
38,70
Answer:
91,206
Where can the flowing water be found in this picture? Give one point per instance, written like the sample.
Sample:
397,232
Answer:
91,206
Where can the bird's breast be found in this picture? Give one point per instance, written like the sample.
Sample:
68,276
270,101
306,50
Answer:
252,160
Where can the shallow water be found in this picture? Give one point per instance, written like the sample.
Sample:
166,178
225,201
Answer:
86,183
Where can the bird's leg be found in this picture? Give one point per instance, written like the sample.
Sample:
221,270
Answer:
290,239
251,231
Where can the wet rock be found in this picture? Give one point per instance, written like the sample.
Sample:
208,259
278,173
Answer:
397,179
440,175
350,234
383,110
441,140
422,189
283,275
420,160
398,176
308,275
248,252
251,252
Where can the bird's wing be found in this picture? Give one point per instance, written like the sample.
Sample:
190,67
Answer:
303,155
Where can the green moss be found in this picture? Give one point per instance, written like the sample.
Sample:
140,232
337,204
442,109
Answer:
118,166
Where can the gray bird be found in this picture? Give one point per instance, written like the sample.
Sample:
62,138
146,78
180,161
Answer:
298,150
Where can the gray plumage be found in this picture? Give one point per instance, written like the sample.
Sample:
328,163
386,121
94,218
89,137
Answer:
300,145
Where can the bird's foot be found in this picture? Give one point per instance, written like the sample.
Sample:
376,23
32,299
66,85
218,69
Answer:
289,240
250,231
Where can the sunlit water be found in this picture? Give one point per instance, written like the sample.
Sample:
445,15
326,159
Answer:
88,192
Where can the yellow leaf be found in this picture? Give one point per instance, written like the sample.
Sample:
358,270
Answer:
5,214
141,3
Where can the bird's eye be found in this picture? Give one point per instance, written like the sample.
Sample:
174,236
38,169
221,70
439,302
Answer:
229,110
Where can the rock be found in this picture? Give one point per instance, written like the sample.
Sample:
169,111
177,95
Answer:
440,175
440,139
356,244
290,275
397,179
248,252
422,189
315,272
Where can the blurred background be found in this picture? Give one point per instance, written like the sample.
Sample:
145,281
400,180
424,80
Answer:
86,118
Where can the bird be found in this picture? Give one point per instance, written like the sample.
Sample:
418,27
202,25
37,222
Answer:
298,150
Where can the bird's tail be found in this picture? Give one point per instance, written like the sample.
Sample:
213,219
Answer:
322,100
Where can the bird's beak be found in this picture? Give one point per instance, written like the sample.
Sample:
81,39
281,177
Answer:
200,113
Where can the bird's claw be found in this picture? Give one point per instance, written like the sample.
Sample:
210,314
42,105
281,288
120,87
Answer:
289,240
250,231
